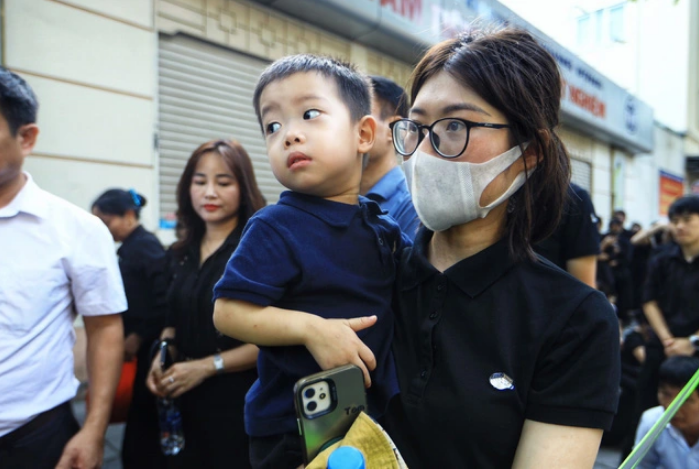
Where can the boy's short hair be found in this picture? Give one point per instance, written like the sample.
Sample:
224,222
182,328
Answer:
677,371
394,101
18,103
686,205
353,88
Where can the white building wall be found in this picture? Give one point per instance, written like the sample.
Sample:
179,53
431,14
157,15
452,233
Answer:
602,180
92,64
642,191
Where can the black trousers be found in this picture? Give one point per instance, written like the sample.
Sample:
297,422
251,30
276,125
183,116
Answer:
276,452
647,395
212,417
39,443
141,446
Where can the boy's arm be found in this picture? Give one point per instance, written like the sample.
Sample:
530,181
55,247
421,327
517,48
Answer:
332,342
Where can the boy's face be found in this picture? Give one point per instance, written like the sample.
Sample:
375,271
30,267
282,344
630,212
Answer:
685,227
687,417
312,144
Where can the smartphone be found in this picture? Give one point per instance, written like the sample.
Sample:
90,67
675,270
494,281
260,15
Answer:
165,358
327,403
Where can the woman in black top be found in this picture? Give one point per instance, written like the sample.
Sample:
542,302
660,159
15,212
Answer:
503,359
216,195
143,271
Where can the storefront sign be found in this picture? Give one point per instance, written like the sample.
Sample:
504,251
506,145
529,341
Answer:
671,187
404,28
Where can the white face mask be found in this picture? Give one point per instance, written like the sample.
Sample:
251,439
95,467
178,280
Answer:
448,193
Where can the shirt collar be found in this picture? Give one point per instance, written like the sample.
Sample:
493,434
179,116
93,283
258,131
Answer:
387,185
676,251
472,275
135,234
30,200
335,214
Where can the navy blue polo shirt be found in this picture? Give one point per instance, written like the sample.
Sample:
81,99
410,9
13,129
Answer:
327,258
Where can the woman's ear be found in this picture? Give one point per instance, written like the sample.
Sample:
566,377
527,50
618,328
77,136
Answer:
532,154
367,133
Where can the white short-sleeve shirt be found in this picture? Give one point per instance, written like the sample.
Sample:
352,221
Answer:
56,261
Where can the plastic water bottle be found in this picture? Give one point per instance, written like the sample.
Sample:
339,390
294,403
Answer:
346,457
169,416
171,435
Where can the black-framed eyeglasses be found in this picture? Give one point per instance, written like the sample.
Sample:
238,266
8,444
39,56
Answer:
449,136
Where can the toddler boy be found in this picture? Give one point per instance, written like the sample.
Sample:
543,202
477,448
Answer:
321,255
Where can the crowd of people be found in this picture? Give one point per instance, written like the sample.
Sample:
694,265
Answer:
471,285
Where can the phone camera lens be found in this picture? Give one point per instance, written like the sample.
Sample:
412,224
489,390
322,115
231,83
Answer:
311,406
309,393
322,396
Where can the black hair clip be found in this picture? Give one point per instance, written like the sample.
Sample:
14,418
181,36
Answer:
135,197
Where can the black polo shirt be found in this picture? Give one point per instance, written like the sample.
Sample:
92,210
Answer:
674,284
576,235
458,334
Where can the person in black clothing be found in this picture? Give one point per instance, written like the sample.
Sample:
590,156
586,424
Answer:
621,216
671,297
502,358
639,267
574,245
617,251
216,196
143,271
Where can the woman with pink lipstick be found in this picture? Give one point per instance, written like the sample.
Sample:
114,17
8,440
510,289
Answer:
216,196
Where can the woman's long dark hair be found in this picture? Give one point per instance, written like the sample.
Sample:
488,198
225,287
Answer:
251,199
517,76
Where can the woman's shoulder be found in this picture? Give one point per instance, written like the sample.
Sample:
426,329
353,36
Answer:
562,295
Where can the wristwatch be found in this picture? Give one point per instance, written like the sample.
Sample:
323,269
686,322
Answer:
218,364
694,340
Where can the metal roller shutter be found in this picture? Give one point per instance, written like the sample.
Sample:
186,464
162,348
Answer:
581,174
205,93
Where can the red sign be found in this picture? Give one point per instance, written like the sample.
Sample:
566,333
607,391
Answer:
410,9
584,100
671,188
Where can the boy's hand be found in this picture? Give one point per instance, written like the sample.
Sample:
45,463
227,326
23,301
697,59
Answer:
334,342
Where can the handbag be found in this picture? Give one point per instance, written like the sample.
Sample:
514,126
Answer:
124,393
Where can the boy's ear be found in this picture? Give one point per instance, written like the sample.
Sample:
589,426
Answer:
366,129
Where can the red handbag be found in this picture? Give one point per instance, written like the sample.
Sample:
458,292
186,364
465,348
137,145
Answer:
124,392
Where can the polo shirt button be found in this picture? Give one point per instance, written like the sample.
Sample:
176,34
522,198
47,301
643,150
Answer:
440,287
423,375
380,240
433,315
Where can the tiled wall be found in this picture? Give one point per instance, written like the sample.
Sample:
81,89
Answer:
92,66
268,34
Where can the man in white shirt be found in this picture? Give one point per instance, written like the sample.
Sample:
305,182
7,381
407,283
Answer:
56,261
677,447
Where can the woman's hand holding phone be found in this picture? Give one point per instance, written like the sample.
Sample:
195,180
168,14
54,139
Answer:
334,342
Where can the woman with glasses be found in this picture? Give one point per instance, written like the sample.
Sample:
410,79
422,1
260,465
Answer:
503,359
216,196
